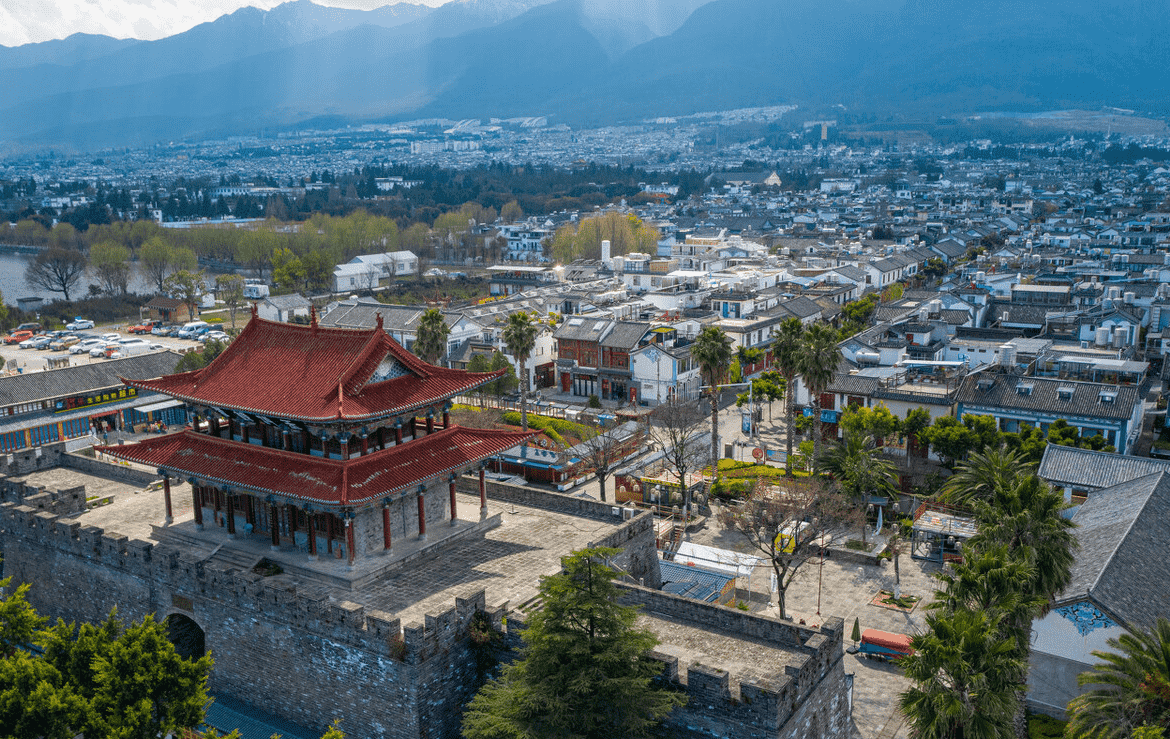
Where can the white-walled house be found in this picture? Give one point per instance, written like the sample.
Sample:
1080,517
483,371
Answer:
1118,582
662,372
366,271
283,308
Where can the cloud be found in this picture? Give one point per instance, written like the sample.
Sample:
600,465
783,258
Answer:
29,21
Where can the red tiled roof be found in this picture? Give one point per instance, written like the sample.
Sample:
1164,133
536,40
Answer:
307,478
309,373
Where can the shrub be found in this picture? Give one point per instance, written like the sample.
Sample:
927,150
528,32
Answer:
594,401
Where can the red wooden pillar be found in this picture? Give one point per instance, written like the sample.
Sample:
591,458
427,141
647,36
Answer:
291,512
397,433
214,425
244,433
343,443
305,441
167,499
197,502
329,533
451,485
231,515
286,441
482,494
312,536
365,444
422,516
386,543
349,540
274,524
446,418
430,421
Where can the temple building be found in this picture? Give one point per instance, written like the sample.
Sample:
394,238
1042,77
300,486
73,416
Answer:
334,442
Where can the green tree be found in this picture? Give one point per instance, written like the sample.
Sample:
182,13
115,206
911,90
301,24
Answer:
984,473
288,271
860,470
431,344
584,670
877,421
19,621
712,352
1127,689
35,701
318,267
154,259
819,358
187,287
56,270
860,311
964,676
519,337
511,212
110,264
137,685
786,354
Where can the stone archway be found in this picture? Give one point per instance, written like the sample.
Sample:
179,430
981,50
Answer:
186,635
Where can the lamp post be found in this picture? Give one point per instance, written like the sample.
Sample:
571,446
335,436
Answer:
821,568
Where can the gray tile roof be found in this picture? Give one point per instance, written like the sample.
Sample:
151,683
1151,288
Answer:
1122,563
364,314
287,302
1085,469
32,386
625,334
1085,401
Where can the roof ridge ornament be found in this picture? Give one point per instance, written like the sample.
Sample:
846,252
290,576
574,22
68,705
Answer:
378,319
313,318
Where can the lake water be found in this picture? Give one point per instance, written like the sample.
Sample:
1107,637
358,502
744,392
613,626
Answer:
13,286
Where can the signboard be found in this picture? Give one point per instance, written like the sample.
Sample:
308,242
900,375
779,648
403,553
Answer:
826,416
62,405
758,454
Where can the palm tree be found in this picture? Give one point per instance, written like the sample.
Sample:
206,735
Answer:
431,343
1128,688
983,473
1027,518
819,358
964,675
786,354
712,350
860,469
520,339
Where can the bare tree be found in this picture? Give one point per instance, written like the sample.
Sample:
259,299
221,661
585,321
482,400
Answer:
231,292
791,524
677,427
56,270
602,452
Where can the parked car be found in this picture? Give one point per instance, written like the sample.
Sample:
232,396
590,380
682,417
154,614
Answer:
28,343
188,330
64,342
17,337
214,336
30,327
79,323
145,327
83,346
111,337
104,349
41,342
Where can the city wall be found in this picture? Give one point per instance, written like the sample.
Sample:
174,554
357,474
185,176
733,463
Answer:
295,653
810,698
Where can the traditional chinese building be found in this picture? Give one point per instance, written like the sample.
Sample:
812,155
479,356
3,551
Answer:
330,441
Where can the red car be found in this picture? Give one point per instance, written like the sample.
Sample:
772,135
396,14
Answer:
145,327
18,336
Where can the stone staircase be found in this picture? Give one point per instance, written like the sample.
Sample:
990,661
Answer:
232,558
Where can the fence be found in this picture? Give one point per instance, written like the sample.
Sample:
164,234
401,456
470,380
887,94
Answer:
542,408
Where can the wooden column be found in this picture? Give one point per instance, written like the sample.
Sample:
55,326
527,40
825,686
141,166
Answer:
231,515
430,421
197,501
291,512
386,542
349,540
446,418
286,440
312,536
244,433
482,494
365,444
274,524
170,519
329,533
305,441
381,437
422,517
451,485
343,444
397,433
214,425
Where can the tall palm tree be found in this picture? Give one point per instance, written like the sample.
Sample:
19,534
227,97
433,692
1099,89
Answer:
983,473
819,358
964,675
786,354
431,343
520,338
712,350
860,469
1128,688
1026,516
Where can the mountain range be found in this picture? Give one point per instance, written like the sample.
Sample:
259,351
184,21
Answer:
583,62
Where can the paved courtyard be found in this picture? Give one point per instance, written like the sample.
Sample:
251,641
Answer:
845,589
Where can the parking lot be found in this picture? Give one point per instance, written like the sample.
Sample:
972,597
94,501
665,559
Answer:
32,360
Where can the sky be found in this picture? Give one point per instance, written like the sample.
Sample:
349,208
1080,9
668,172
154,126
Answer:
30,21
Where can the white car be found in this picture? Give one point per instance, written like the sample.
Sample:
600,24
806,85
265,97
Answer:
83,347
214,336
110,337
79,323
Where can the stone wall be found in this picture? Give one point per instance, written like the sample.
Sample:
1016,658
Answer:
810,699
31,459
293,653
63,501
109,471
